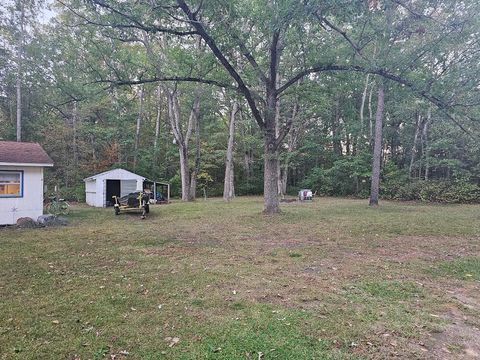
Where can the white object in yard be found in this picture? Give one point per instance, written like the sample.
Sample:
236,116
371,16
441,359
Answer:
21,180
305,194
100,188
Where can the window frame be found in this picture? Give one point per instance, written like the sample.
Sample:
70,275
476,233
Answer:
20,195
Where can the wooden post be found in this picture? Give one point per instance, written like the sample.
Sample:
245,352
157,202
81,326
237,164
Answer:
168,193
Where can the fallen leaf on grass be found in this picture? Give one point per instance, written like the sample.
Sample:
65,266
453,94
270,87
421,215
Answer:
173,341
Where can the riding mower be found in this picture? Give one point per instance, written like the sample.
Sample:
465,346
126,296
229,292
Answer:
134,202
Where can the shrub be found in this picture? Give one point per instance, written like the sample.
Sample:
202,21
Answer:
458,191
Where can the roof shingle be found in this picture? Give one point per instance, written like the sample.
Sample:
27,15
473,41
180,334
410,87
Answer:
23,153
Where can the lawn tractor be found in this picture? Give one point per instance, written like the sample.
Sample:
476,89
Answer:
136,201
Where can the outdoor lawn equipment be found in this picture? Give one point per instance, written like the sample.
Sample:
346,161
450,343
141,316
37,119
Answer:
136,201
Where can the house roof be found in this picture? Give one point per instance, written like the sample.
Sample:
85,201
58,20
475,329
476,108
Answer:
115,174
23,153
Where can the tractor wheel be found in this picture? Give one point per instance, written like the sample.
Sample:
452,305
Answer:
117,210
147,208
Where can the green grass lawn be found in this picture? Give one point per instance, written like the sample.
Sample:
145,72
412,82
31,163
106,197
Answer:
213,280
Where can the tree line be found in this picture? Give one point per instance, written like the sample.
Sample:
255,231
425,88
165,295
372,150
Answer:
363,98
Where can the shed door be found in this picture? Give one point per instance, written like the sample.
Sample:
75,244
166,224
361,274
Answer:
113,189
128,186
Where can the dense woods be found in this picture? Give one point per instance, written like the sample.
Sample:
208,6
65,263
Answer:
351,98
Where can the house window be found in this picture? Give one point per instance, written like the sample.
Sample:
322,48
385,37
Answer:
11,183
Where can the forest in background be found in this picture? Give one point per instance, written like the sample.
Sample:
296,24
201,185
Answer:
106,84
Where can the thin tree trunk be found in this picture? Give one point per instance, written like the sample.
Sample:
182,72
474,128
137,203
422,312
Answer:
337,144
292,144
94,153
196,169
18,84
137,128
157,119
414,146
425,139
364,97
157,128
377,147
370,115
247,151
229,184
74,135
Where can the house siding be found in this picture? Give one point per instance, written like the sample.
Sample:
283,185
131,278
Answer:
30,204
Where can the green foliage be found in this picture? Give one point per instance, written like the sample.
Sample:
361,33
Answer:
348,176
459,191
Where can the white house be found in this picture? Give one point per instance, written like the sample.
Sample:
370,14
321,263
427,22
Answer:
100,188
21,180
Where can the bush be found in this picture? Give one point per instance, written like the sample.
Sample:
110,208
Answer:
459,191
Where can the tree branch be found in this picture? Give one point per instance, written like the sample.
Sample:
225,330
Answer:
242,87
439,103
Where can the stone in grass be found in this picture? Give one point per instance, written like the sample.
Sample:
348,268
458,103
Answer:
26,223
52,220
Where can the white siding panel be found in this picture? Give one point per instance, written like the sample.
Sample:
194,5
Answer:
91,192
30,204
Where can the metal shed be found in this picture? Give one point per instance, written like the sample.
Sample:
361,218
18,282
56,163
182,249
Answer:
100,188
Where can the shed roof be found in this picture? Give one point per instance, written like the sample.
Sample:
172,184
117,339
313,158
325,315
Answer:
115,174
23,153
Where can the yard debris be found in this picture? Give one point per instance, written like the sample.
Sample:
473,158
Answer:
52,220
55,322
172,341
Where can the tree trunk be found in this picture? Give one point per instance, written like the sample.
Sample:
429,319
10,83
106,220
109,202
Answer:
414,146
362,105
247,151
292,144
229,185
270,183
182,140
196,169
157,119
184,172
137,128
377,147
337,144
425,139
74,135
18,84
271,204
370,115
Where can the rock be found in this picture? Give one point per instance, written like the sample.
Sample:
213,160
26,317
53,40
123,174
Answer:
52,220
45,219
26,223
